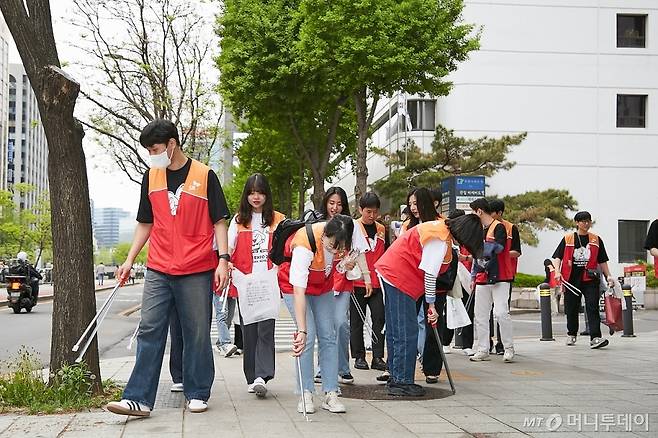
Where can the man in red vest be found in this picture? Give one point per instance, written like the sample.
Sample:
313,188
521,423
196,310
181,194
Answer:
651,244
182,213
579,259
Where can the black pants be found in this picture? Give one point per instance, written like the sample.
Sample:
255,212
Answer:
572,304
432,360
499,343
376,304
258,339
466,333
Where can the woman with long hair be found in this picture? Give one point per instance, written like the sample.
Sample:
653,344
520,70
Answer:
249,241
420,204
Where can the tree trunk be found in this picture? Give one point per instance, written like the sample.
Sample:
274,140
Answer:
56,93
318,190
74,300
302,189
361,173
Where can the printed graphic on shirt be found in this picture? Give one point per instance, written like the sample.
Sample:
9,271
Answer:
581,256
259,245
174,198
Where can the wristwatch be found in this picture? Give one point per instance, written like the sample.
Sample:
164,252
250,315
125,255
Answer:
225,257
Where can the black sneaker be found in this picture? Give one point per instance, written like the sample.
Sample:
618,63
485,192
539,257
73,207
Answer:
383,377
361,364
347,379
405,389
432,379
317,378
378,364
500,350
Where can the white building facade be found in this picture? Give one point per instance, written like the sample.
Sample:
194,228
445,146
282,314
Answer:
580,77
27,148
5,38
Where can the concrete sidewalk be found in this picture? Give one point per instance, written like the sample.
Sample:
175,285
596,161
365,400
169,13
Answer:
550,391
46,290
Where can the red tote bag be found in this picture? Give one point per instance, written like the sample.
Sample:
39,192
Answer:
613,316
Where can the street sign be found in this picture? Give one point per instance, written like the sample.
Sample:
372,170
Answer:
459,191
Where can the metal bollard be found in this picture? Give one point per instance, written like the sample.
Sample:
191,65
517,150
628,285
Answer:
628,313
545,306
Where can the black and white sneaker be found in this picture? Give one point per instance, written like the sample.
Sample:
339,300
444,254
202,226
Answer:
346,379
598,343
128,407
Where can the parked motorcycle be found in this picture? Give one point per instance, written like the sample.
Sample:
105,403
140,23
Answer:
19,293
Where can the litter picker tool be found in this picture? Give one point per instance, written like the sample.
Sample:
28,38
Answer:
225,295
443,355
95,323
301,383
362,314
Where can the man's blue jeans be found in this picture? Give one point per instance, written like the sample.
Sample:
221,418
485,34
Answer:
190,296
401,334
343,332
223,319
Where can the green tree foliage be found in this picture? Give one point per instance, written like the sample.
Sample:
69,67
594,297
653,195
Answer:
265,76
539,210
24,230
449,155
120,253
371,48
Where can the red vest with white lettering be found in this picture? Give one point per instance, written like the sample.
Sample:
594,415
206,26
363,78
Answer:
505,265
569,248
399,264
242,257
181,244
514,261
374,254
318,282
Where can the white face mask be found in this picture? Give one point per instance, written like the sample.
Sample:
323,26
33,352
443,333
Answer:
161,160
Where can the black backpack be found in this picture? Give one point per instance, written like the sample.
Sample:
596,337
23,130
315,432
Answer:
286,229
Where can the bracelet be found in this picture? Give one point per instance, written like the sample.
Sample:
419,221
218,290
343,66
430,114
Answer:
302,331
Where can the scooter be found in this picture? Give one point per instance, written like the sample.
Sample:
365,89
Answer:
19,293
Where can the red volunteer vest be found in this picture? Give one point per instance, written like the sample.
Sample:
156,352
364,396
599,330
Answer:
399,264
567,261
374,254
514,261
242,257
318,282
181,244
467,263
505,266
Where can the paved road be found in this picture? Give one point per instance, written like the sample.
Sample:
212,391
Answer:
34,329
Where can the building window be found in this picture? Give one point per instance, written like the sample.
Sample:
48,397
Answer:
421,114
631,110
631,235
631,30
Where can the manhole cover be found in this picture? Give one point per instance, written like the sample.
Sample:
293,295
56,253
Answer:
379,392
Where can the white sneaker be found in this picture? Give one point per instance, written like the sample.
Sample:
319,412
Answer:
128,407
480,356
310,407
250,388
447,349
260,388
228,350
508,356
468,351
571,340
197,406
177,387
332,404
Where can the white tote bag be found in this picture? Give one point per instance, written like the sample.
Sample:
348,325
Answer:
456,314
259,295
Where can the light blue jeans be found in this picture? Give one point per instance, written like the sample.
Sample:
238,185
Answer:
320,322
343,331
189,295
223,319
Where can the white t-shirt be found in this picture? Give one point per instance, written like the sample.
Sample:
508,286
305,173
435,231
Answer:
302,257
260,241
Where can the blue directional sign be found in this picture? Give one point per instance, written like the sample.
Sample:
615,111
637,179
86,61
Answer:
459,191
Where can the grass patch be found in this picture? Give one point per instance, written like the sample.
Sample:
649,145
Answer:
528,280
24,388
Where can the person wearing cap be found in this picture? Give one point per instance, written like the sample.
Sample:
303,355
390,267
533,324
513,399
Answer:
579,259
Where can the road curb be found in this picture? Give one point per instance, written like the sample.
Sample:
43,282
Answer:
50,297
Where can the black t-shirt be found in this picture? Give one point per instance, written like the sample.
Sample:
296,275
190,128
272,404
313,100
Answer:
652,236
516,240
371,231
175,183
581,256
500,235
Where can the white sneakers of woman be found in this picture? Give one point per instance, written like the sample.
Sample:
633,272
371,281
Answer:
479,356
128,407
332,404
177,387
508,356
310,407
197,406
259,387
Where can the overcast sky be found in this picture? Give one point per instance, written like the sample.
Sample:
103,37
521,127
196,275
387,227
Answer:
108,186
